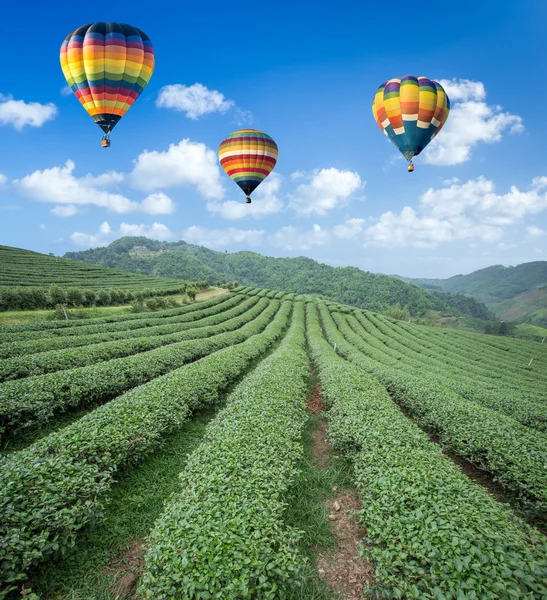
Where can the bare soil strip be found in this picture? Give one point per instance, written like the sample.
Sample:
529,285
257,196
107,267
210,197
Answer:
343,569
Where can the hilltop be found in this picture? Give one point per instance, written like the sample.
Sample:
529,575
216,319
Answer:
300,275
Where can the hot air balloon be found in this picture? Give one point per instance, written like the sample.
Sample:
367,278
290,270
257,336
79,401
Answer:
248,156
107,65
411,111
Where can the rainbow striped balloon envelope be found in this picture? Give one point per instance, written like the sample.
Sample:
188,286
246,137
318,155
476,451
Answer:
248,156
107,65
411,111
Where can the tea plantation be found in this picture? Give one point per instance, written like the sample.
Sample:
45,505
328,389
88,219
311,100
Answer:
168,449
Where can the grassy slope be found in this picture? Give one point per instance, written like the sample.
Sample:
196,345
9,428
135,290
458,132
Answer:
24,267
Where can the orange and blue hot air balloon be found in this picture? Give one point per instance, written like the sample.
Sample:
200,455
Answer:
107,65
411,111
248,156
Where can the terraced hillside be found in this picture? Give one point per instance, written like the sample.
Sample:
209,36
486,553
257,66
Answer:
22,268
173,455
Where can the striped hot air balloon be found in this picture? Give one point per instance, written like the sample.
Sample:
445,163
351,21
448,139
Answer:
107,65
248,156
411,111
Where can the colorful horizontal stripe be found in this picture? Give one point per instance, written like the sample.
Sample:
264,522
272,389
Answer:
107,65
410,111
248,156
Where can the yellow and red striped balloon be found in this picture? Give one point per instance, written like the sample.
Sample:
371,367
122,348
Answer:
248,156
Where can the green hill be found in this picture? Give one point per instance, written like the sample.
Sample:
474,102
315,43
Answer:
512,293
27,268
30,280
300,275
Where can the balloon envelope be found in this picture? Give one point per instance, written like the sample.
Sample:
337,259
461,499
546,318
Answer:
411,111
107,65
248,156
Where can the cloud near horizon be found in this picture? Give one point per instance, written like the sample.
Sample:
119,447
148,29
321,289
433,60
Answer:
106,235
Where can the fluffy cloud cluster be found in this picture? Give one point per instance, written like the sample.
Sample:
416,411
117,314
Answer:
59,186
471,121
19,113
471,211
185,163
194,100
322,190
105,235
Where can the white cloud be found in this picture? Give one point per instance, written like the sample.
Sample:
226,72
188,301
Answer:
534,232
220,238
3,179
59,186
64,210
324,190
158,204
266,202
66,90
194,100
105,235
19,113
350,229
471,211
293,239
105,180
470,122
184,163
463,90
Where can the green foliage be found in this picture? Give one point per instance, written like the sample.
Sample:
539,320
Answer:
37,399
50,361
398,312
50,490
431,532
75,336
514,453
223,535
299,275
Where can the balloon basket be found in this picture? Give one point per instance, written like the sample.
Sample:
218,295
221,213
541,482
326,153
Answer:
105,142
247,200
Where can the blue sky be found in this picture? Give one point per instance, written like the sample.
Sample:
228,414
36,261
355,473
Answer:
340,192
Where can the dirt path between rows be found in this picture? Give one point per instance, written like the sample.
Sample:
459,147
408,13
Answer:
343,570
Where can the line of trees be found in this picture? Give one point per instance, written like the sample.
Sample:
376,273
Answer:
31,298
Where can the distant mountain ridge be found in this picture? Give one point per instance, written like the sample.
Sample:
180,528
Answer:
302,275
514,293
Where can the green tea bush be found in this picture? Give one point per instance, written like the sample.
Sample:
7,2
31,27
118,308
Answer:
222,535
